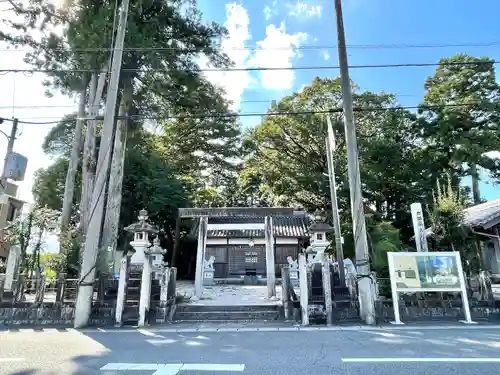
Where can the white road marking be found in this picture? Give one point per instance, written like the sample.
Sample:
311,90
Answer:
168,370
212,367
4,360
173,369
161,341
149,333
427,359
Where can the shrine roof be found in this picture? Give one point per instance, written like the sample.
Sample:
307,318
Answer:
283,226
484,215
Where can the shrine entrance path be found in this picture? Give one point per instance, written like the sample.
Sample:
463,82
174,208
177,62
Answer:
228,294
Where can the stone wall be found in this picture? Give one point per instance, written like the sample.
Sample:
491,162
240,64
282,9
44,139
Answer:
55,314
51,314
480,310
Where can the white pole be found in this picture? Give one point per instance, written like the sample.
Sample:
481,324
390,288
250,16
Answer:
270,269
145,290
304,290
395,301
465,297
366,301
339,253
122,289
200,256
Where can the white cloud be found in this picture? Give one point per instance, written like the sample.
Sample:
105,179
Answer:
277,50
234,82
303,10
325,55
493,154
270,11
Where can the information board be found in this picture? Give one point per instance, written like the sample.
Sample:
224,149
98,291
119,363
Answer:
427,272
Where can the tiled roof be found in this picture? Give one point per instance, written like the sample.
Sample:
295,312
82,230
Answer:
481,214
478,215
284,226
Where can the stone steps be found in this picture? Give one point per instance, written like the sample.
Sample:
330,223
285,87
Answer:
227,313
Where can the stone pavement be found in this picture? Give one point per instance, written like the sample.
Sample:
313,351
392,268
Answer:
374,351
227,294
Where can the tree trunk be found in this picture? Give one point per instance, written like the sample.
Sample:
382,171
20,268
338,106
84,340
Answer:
76,147
89,150
476,193
114,196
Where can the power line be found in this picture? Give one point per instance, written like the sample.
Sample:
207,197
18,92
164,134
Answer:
257,48
249,69
269,101
262,114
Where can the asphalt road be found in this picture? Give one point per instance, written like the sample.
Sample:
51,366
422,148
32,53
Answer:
414,350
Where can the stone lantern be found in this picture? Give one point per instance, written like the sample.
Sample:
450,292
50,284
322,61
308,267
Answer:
318,231
141,230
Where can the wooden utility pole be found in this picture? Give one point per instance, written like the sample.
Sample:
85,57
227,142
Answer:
10,147
91,249
339,253
366,300
69,187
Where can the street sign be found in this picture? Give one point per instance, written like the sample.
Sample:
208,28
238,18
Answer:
171,369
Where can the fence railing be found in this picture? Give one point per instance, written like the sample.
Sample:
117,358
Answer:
61,290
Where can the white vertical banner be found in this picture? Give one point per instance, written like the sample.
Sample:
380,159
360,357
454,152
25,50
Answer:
417,216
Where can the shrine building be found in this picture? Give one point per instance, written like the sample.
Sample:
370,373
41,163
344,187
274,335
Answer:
235,237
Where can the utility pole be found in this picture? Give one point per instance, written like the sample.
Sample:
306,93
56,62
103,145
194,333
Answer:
330,148
10,148
366,298
95,217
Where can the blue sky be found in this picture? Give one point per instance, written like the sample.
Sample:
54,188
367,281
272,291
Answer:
280,25
372,23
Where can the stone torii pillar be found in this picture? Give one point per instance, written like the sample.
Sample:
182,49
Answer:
270,268
200,256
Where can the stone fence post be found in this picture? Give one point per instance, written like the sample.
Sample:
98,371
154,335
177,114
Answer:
304,289
327,290
40,289
285,293
19,294
60,284
122,289
164,284
172,295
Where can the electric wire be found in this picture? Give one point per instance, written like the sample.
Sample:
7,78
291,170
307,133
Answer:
219,115
250,69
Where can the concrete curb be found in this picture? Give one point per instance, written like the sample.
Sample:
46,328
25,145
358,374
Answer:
154,331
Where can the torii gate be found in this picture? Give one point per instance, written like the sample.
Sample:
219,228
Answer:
248,212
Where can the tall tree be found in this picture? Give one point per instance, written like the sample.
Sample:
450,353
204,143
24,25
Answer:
461,107
287,155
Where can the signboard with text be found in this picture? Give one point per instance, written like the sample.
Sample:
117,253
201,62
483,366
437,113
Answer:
417,216
427,272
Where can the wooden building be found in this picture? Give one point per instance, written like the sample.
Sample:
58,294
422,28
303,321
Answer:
236,240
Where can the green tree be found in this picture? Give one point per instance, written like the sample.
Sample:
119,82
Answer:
28,232
448,228
461,108
287,156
